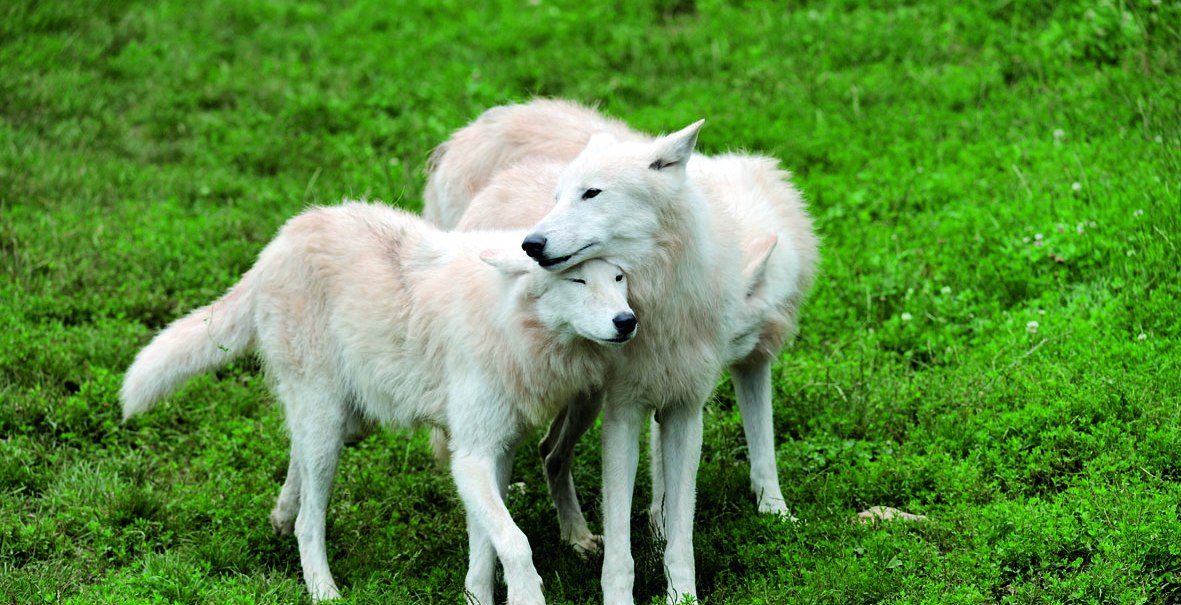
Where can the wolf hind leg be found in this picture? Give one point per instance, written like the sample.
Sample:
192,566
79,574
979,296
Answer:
752,385
287,505
317,420
656,472
557,450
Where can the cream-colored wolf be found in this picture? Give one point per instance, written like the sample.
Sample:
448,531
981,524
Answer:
362,315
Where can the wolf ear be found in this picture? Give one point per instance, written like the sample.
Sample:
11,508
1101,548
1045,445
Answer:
600,138
755,257
674,149
510,263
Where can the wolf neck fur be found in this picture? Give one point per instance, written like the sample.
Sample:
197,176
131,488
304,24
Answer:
554,360
680,268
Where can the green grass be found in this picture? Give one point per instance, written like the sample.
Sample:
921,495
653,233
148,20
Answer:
972,168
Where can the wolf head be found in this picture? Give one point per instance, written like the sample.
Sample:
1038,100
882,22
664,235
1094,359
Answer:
610,201
588,300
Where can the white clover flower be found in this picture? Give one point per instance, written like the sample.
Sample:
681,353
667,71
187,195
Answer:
1031,327
1059,134
905,316
946,290
1138,212
1076,186
1142,337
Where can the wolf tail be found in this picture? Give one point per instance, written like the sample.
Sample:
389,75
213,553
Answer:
207,338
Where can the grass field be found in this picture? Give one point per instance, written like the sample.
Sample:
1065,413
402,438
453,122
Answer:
994,341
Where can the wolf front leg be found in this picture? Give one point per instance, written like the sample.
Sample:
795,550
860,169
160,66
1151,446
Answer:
557,450
680,451
479,584
622,424
752,385
477,475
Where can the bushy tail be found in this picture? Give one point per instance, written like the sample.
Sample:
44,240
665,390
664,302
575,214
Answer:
205,339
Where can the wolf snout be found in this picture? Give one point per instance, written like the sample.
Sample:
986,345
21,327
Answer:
534,245
625,324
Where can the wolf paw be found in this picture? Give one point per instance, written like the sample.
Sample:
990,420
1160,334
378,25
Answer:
777,507
282,523
324,592
588,545
773,504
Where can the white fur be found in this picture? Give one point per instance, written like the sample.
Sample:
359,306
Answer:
501,171
362,315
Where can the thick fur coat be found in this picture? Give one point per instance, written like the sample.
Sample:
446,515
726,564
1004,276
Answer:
726,255
362,315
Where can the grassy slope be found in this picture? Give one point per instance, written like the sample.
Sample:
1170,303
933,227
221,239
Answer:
972,169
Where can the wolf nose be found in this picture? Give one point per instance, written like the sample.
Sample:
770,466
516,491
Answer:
534,245
625,323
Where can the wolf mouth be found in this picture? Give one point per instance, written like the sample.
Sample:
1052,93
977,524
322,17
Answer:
551,262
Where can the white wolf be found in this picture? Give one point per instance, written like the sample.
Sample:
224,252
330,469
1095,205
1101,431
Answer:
633,203
502,169
363,315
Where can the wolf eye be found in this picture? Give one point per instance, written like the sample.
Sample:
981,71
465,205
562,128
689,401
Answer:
619,277
589,193
577,281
